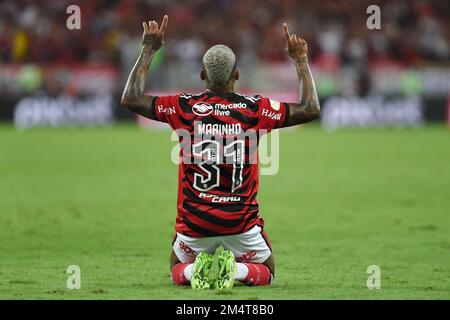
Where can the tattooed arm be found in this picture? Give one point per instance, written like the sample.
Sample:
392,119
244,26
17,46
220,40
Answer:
133,97
308,109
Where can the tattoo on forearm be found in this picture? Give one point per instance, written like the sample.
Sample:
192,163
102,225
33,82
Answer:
309,96
136,81
308,109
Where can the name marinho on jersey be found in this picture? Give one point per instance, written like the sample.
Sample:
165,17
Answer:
217,129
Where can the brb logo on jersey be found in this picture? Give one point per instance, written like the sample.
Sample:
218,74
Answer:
202,109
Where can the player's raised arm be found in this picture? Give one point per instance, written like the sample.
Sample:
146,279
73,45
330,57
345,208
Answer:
308,109
133,96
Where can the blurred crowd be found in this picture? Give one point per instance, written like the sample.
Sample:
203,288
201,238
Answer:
412,31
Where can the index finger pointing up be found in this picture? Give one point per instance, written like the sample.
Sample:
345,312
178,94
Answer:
164,23
286,31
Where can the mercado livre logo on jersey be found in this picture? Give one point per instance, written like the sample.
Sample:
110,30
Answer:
202,109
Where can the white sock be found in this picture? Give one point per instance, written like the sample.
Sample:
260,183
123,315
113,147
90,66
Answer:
242,272
188,271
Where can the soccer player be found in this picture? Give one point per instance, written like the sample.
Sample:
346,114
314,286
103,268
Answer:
218,181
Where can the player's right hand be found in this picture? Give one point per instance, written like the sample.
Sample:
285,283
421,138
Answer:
153,36
296,47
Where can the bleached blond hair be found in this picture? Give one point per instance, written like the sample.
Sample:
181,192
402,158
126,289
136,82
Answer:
219,62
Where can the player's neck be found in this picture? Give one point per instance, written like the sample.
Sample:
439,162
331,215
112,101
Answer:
220,91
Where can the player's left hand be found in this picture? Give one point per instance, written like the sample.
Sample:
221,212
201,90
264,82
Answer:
153,36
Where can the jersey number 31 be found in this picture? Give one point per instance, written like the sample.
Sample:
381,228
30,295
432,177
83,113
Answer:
209,151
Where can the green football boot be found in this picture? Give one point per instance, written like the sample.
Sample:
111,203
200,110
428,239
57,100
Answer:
200,274
227,271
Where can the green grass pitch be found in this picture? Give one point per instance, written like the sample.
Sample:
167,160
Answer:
105,200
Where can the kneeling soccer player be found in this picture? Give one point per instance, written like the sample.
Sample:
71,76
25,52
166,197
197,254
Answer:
218,174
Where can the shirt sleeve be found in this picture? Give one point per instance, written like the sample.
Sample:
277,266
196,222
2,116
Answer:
167,109
272,114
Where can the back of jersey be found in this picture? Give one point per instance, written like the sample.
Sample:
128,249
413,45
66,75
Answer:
218,173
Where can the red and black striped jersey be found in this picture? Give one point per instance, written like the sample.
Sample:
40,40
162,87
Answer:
218,171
